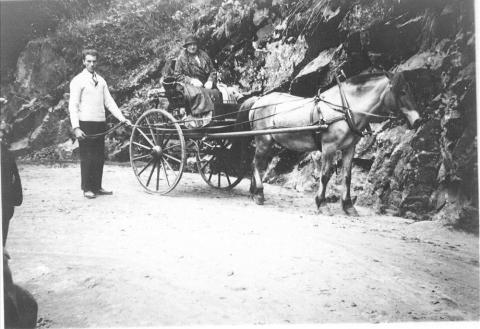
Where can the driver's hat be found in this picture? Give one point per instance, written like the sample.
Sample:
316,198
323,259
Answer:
190,40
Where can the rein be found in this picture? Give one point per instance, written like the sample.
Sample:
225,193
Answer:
340,108
345,109
93,136
158,126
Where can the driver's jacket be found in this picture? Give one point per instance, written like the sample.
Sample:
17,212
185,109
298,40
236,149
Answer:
198,66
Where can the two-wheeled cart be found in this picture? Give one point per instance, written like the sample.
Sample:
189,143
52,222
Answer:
163,145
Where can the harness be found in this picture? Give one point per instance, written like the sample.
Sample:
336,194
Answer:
347,111
344,109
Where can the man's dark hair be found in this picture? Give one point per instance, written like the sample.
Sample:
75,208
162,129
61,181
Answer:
91,52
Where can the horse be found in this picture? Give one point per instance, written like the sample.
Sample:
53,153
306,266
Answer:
374,95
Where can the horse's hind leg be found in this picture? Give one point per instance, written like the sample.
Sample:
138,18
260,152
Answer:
347,157
326,171
262,149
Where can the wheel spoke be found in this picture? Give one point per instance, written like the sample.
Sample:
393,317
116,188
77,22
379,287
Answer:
158,176
228,177
146,137
143,146
154,137
218,165
157,148
225,171
172,157
165,171
141,157
148,163
171,147
207,162
170,167
151,172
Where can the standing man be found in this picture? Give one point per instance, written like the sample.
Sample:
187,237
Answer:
89,96
194,66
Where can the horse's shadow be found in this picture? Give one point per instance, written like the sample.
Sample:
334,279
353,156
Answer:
285,199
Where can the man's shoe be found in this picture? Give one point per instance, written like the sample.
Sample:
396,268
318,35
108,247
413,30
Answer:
104,192
89,195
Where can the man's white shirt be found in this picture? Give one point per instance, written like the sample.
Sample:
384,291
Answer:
88,101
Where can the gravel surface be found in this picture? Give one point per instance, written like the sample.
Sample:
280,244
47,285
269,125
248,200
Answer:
201,256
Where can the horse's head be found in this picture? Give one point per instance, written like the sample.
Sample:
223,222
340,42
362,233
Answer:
399,97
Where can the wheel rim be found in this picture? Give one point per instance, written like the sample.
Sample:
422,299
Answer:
214,164
157,156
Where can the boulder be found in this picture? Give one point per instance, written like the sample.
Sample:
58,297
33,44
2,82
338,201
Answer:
382,186
29,117
281,59
432,60
51,131
404,173
314,74
40,69
304,176
139,76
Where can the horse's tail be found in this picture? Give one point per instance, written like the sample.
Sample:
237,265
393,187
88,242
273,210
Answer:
240,146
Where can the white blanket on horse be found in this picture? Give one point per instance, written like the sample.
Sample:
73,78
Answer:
289,110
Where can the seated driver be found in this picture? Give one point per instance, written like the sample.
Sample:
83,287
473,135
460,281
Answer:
194,66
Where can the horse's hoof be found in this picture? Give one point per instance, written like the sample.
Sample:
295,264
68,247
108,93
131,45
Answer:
351,211
259,199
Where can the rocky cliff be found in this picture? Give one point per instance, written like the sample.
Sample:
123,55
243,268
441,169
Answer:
284,45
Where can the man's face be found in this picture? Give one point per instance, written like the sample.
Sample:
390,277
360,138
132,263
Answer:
90,62
192,48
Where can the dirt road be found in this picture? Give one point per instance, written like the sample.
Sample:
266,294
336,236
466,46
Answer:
200,256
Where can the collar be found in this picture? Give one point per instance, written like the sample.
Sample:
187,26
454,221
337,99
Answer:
85,71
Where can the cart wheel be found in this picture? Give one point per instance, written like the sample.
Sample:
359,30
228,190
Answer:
157,151
215,162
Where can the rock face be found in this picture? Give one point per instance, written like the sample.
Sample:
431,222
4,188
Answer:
38,124
423,174
40,69
296,47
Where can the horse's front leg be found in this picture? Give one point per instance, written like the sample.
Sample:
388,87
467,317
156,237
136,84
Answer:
326,172
262,148
347,204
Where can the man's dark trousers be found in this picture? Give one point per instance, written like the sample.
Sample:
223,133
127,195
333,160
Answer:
92,155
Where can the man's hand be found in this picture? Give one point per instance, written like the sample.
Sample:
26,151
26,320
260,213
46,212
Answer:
196,82
79,134
127,122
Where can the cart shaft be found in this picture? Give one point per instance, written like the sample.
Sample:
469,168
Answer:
240,134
